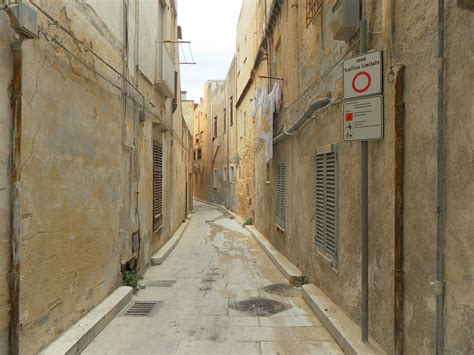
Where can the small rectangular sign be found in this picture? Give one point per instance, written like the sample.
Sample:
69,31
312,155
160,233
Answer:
363,75
363,119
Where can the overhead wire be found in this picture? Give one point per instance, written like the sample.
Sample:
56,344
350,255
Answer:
87,48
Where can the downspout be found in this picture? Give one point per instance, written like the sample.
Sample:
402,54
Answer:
16,105
398,233
440,190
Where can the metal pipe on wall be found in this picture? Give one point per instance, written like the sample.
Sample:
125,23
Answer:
440,188
16,133
364,204
316,105
398,282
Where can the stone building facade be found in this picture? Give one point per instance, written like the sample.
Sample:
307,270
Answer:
105,161
421,189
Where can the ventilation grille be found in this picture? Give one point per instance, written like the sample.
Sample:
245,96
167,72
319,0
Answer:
143,308
157,186
281,190
327,204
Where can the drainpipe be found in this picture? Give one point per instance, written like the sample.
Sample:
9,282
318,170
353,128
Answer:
439,285
316,105
16,103
398,233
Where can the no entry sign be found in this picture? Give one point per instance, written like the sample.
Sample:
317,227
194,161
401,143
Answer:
363,75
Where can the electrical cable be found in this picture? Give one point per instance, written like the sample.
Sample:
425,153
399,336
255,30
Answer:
87,48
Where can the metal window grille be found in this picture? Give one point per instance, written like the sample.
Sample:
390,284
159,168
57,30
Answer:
312,9
327,211
280,198
157,186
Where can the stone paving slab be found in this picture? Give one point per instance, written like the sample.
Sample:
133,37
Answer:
216,263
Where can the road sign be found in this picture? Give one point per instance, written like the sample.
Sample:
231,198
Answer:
363,75
363,119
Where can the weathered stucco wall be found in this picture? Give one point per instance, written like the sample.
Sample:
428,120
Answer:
459,182
310,62
5,128
86,165
232,152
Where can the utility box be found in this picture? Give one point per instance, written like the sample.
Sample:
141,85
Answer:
25,20
344,19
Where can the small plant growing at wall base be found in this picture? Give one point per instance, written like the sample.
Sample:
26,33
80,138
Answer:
248,222
132,279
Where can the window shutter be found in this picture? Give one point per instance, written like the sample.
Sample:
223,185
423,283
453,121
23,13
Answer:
281,187
327,224
157,186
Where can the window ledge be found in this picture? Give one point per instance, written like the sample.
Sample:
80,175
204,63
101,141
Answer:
280,228
326,260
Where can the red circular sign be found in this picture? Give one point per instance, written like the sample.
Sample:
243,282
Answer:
369,81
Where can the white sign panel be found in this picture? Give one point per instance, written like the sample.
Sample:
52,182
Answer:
363,119
363,75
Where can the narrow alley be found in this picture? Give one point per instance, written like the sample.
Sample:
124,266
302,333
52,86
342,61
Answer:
236,177
215,265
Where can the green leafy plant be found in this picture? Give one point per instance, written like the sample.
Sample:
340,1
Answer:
248,222
132,279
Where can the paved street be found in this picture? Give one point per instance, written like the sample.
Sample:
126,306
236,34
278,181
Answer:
216,264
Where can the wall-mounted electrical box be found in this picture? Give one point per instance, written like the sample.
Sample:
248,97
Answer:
25,20
344,19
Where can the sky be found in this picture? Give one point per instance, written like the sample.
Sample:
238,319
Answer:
210,25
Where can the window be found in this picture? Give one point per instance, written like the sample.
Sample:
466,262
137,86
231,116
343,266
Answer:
231,111
225,173
201,138
232,174
225,123
327,214
215,178
197,138
312,9
280,198
199,154
157,186
215,127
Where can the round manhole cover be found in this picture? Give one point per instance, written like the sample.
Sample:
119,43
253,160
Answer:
284,290
259,306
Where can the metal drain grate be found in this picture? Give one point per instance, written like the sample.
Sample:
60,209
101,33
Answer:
259,306
284,290
143,308
160,283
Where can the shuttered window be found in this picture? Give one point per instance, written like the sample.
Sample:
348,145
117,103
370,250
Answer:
157,186
327,214
280,198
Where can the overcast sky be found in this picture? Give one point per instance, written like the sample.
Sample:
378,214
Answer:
210,25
